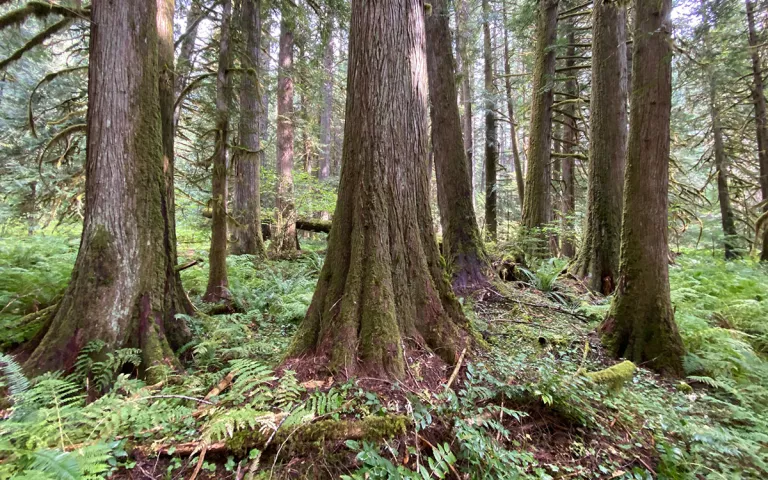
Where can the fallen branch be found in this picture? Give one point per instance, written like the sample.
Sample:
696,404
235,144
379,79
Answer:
223,384
456,370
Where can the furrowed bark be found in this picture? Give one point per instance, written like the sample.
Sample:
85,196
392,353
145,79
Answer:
247,201
640,325
284,240
382,283
537,206
218,283
463,247
598,260
119,288
491,136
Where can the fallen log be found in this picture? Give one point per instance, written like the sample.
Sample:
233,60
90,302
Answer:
307,224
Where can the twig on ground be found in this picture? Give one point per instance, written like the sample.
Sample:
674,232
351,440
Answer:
456,370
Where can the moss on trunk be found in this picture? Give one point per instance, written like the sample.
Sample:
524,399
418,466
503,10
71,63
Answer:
383,286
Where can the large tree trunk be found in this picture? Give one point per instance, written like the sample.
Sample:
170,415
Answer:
640,325
184,65
120,291
284,240
327,112
463,247
218,284
511,113
599,254
538,197
247,201
761,116
382,286
491,140
721,167
464,61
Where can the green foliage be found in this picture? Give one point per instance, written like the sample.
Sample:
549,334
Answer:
33,274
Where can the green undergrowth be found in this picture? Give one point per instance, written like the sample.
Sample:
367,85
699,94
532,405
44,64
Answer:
541,401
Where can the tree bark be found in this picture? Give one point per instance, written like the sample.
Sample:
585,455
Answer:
569,146
640,325
218,283
177,331
247,201
463,247
511,113
464,61
598,260
120,291
327,112
537,206
284,240
761,116
382,286
491,136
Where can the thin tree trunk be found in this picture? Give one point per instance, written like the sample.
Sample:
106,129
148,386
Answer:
538,197
218,283
177,331
247,201
285,223
491,140
570,144
510,111
464,61
599,254
184,65
640,325
264,64
721,167
761,116
120,292
382,287
327,111
463,247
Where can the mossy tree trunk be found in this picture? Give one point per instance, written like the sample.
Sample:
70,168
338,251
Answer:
463,247
491,135
538,197
247,198
177,331
382,286
598,259
284,240
218,283
761,114
511,113
640,325
121,291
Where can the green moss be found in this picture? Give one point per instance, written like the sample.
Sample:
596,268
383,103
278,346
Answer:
614,377
313,435
684,387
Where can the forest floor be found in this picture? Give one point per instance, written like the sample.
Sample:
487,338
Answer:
525,405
